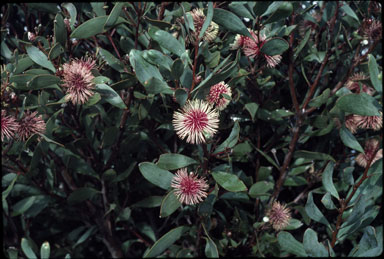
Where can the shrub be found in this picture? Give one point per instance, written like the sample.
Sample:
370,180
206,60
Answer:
191,129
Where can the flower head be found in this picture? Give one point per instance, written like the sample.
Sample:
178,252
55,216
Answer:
196,119
251,47
351,122
9,125
189,189
30,124
370,148
77,78
198,18
373,30
279,216
369,122
353,84
215,95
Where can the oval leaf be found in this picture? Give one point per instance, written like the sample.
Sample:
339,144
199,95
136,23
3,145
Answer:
26,247
169,204
313,211
156,175
349,139
230,21
81,195
312,246
167,41
108,94
288,243
39,58
228,181
361,104
274,46
171,161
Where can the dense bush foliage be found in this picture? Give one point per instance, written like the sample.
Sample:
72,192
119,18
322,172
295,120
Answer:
191,129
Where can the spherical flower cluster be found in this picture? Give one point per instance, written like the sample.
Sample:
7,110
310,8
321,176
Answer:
353,84
77,79
251,47
196,120
215,95
30,124
9,125
354,121
189,189
279,216
370,148
198,18
374,30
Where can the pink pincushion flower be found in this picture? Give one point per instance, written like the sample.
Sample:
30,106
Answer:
196,119
215,95
198,18
77,78
30,124
279,216
351,123
189,189
9,125
371,146
251,47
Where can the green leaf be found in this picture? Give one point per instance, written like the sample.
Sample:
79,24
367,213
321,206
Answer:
92,100
92,27
361,104
82,194
161,24
71,8
207,21
312,246
228,181
167,41
328,181
278,10
374,73
313,211
252,109
23,64
302,44
169,204
156,175
23,205
321,99
157,86
348,10
85,236
312,155
165,241
12,253
294,224
39,58
45,250
210,247
26,247
274,46
260,7
327,201
261,188
44,81
55,51
143,69
231,141
157,58
240,9
349,139
181,96
111,60
230,21
171,161
6,192
177,69
109,95
60,30
114,15
288,243
270,160
124,215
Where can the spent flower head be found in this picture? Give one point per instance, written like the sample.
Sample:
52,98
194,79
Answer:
30,124
77,79
279,216
215,95
195,120
9,125
353,84
369,122
370,148
189,188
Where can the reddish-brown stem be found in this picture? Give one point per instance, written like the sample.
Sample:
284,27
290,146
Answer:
344,203
194,67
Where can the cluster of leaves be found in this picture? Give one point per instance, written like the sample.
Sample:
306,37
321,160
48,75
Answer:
97,184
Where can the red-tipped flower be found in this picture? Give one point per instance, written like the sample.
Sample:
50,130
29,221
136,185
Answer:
371,146
9,125
215,95
77,78
30,124
198,18
251,47
189,189
279,216
196,121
